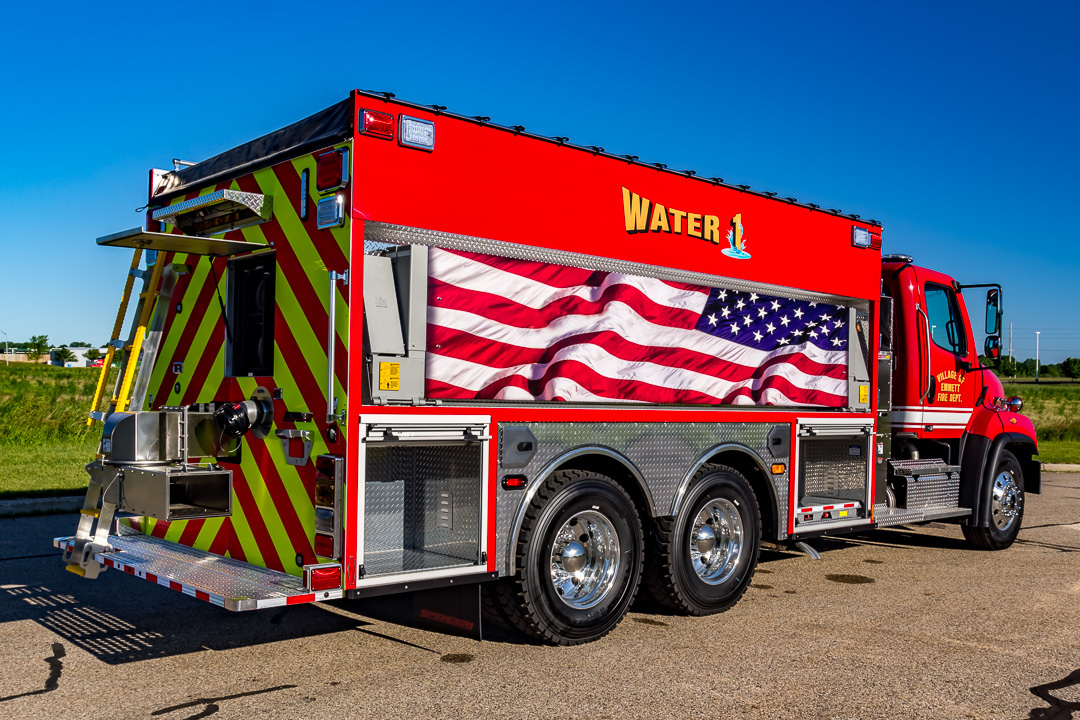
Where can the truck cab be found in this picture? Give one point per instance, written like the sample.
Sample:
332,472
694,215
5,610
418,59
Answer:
945,408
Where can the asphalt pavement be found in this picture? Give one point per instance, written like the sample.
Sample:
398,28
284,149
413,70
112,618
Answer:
898,623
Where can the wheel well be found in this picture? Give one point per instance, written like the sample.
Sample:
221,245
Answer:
1031,468
760,483
620,473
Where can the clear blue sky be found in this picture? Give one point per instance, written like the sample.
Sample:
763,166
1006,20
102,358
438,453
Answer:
955,124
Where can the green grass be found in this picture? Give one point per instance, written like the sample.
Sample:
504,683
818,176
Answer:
44,440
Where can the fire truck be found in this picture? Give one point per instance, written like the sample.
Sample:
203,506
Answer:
390,348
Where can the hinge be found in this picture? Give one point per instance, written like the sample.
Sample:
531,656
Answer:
361,572
483,557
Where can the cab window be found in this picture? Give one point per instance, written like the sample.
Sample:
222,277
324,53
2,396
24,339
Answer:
946,328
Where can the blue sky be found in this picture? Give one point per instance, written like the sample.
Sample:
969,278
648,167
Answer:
955,124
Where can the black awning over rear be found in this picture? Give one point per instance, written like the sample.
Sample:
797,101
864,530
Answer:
323,128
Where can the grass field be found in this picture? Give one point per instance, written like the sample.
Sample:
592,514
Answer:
44,441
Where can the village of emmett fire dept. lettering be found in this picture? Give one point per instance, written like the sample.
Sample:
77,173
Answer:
643,215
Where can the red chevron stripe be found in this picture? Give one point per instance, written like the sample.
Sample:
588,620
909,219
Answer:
191,532
325,244
199,374
298,536
255,520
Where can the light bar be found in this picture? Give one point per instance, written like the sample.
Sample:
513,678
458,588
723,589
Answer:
417,133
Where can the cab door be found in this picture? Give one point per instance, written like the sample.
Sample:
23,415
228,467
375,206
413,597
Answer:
940,401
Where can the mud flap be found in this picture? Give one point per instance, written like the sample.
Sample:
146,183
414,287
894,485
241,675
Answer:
451,609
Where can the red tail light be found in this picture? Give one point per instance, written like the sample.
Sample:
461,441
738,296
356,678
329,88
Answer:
324,546
376,123
332,170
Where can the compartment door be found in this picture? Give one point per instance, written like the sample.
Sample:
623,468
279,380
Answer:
423,500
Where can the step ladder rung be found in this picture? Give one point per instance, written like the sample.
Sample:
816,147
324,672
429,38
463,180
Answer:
92,512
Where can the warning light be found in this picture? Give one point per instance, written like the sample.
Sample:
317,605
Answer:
778,468
379,124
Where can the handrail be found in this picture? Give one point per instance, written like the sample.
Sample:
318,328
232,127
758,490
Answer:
926,327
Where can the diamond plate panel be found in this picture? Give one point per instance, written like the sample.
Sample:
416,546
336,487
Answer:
938,490
212,573
422,507
664,455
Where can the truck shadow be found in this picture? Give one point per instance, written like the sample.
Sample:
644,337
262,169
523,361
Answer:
120,621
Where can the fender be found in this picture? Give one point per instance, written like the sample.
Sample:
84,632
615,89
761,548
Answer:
981,456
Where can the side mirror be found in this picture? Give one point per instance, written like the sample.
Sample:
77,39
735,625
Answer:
992,348
993,311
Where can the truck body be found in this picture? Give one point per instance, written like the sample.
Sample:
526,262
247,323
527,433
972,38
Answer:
390,348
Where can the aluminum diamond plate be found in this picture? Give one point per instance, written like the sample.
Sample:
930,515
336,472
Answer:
665,455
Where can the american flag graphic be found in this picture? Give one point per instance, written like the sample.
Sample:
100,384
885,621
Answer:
517,330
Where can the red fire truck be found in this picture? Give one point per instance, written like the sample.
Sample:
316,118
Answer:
392,348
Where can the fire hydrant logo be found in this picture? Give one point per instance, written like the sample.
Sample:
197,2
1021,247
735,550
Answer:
645,216
736,238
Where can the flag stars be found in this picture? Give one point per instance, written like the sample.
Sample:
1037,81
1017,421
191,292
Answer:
836,342
740,305
771,328
783,341
826,317
813,333
813,304
712,319
784,321
758,336
725,312
722,294
748,321
734,328
753,297
775,305
761,312
837,325
798,313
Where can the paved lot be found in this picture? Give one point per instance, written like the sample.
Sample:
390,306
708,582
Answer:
890,624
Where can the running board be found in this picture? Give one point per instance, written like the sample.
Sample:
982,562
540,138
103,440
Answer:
887,516
221,581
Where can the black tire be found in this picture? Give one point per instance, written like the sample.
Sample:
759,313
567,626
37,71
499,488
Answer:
1004,494
671,574
530,598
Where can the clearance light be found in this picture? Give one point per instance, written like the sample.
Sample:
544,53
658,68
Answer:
332,170
514,482
778,468
417,133
322,577
379,124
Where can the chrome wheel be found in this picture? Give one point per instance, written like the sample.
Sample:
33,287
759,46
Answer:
716,541
1007,502
584,559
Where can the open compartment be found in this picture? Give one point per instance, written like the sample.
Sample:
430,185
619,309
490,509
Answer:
833,474
423,499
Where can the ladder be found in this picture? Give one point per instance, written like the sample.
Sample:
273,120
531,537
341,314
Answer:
132,347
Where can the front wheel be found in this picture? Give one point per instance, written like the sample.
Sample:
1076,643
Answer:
1006,498
703,559
579,560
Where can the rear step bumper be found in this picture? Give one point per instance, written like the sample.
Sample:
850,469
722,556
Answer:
221,581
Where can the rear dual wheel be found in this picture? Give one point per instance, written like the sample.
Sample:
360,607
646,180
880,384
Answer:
579,560
702,560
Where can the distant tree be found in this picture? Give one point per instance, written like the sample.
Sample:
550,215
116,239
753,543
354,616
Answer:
1052,370
1025,368
38,346
64,356
93,354
1007,366
1070,367
78,344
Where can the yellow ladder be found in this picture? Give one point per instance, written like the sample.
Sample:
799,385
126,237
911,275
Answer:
132,348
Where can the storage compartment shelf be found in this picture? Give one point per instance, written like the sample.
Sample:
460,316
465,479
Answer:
393,562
